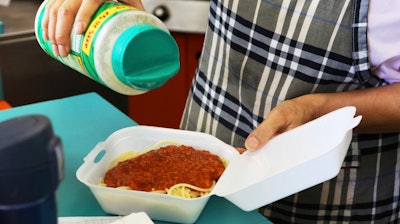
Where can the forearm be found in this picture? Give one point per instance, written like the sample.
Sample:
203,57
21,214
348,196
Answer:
379,107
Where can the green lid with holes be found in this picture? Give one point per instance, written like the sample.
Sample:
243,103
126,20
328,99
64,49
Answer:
145,57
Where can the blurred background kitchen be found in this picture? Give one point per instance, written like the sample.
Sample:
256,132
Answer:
29,75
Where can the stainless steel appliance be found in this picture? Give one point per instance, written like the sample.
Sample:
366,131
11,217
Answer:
180,15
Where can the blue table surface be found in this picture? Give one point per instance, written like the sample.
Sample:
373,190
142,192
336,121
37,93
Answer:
81,122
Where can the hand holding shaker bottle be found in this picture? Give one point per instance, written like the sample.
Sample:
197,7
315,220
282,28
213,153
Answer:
126,49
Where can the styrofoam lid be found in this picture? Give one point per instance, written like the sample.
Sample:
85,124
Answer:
292,161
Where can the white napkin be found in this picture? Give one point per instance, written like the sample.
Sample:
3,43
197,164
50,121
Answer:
137,218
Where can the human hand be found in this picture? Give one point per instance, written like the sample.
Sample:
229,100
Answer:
284,117
378,107
240,150
62,16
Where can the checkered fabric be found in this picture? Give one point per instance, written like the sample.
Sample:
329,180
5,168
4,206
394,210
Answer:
260,53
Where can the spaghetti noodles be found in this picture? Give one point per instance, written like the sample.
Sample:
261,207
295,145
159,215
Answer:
175,170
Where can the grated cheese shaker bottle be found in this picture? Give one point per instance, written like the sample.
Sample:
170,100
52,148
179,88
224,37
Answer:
126,49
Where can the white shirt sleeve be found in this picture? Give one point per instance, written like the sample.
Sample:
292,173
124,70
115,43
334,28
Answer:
384,39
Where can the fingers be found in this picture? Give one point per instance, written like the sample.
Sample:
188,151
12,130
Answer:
265,132
286,116
63,16
59,19
135,3
62,30
48,21
240,150
86,11
57,24
89,7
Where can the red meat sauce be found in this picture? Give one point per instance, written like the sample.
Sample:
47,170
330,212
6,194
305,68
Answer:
162,168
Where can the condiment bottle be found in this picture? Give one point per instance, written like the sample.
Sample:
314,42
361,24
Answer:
123,48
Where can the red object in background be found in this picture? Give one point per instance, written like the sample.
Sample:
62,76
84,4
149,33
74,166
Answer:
163,107
4,105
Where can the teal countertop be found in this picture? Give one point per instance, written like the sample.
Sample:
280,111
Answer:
81,122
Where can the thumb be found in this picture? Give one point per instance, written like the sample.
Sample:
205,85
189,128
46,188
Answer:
273,125
86,11
258,138
135,3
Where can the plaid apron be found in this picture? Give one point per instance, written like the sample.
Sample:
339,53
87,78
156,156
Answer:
258,53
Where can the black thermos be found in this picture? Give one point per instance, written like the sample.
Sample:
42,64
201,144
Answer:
31,168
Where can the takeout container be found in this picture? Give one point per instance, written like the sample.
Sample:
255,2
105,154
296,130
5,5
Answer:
290,162
141,138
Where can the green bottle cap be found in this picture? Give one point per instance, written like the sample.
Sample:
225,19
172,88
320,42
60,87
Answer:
1,27
145,57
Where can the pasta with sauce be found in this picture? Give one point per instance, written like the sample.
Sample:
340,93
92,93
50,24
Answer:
176,170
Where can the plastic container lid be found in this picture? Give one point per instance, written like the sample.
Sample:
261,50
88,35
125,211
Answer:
291,162
24,141
145,57
30,157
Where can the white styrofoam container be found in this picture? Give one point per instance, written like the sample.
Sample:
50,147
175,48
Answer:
290,162
157,206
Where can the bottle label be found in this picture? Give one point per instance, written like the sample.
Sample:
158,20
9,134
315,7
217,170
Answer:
106,12
98,21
